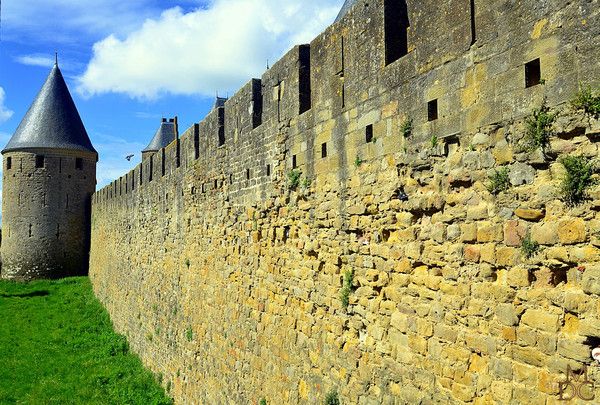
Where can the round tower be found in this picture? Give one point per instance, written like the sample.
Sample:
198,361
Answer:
49,177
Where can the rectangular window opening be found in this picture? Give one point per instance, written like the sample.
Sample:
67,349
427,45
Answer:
304,84
39,161
216,184
396,23
533,73
8,163
221,126
369,133
268,170
257,103
79,163
432,110
294,162
151,169
247,174
324,150
196,141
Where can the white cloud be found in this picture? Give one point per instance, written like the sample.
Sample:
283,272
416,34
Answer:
5,113
199,52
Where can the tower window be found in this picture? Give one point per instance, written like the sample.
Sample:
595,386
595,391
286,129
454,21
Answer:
39,161
369,133
324,150
268,170
533,73
304,87
432,110
8,163
247,174
294,162
79,163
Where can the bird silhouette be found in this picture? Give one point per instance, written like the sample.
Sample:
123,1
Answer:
128,157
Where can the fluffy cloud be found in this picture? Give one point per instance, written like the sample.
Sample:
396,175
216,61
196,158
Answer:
5,113
208,49
35,60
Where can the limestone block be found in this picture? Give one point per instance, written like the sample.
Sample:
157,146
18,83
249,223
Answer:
529,214
514,232
571,231
545,233
540,319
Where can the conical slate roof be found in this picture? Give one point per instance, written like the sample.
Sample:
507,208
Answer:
165,135
52,121
345,8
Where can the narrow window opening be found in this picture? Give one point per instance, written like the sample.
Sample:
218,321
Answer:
304,85
215,184
133,181
162,162
30,230
294,162
278,85
324,150
8,163
396,23
247,174
369,133
67,200
39,161
432,110
221,113
231,179
257,103
268,170
79,163
57,231
60,165
178,152
203,187
473,26
533,73
43,199
151,169
193,191
196,141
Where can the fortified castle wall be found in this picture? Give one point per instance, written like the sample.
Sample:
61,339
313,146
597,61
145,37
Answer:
387,272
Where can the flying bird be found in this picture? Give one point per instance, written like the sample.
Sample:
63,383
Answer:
128,157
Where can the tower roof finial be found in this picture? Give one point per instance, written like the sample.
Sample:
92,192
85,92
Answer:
55,58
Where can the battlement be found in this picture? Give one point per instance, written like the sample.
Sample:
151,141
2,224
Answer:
461,66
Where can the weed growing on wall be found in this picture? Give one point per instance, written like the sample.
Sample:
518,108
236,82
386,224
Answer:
538,128
578,178
434,141
406,127
529,247
499,181
332,398
263,402
294,179
347,288
189,334
306,183
587,101
358,161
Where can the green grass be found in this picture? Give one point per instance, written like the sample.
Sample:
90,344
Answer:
57,346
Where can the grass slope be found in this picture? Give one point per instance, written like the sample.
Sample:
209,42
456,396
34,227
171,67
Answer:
57,346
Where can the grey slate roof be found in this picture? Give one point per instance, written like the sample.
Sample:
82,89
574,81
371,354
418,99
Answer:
345,8
52,121
165,134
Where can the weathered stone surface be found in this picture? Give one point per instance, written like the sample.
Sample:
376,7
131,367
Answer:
529,214
540,319
571,231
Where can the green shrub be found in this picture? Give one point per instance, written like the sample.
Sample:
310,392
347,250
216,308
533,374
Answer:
347,288
294,179
578,178
263,402
358,161
499,181
529,247
306,183
406,127
332,398
189,334
586,100
539,128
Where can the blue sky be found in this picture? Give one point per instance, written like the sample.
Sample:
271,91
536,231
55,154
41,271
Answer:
129,63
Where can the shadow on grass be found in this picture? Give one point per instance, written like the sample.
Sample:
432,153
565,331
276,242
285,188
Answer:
40,293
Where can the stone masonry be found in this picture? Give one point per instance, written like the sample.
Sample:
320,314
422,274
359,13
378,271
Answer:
227,266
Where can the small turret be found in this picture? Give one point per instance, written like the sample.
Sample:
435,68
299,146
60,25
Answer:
166,133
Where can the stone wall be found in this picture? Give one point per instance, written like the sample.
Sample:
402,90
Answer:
229,280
